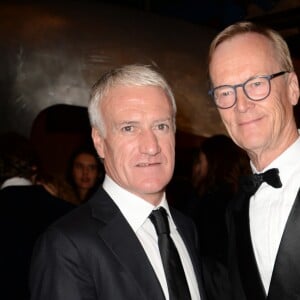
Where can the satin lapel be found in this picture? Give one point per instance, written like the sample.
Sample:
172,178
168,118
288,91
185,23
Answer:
286,273
189,242
247,265
122,241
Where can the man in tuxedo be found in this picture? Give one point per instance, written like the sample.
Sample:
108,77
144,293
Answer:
108,248
254,86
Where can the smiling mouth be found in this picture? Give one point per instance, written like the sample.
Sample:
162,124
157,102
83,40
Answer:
147,164
253,121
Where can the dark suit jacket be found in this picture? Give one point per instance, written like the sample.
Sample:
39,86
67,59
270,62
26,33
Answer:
25,213
243,270
92,253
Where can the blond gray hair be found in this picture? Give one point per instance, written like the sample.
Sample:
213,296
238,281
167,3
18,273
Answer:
279,44
129,75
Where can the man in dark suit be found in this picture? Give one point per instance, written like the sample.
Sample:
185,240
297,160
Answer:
254,87
26,211
108,247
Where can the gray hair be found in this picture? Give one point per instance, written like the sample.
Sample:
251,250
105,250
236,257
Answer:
129,75
280,46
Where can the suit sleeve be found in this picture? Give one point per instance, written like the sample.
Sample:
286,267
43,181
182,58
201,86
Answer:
57,271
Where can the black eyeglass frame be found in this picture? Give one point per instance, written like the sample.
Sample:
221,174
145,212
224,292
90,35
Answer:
234,87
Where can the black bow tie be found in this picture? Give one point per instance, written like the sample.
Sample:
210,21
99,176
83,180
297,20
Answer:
252,182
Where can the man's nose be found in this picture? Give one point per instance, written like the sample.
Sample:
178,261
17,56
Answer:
242,101
149,143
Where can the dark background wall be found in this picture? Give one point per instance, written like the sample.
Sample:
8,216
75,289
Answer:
52,52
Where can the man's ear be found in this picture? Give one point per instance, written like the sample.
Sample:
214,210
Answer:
293,88
98,142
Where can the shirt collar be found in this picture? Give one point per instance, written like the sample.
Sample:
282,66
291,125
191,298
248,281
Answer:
286,162
135,209
15,181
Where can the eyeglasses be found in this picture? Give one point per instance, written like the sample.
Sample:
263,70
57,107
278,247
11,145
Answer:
255,88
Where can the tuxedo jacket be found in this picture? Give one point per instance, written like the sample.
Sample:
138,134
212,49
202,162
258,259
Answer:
92,253
243,271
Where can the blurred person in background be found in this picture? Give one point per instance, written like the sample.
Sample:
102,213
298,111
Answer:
30,202
85,173
18,160
218,166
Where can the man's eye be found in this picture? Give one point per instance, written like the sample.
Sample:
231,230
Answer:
128,128
226,93
255,84
163,126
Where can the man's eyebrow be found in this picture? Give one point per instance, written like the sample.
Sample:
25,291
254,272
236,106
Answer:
128,122
168,119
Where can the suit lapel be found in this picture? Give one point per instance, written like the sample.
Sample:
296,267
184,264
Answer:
246,261
190,244
122,241
285,278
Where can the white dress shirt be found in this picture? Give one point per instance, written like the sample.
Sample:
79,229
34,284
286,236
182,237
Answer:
270,208
15,181
136,211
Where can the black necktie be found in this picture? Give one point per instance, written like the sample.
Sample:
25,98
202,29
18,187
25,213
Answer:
176,280
252,182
